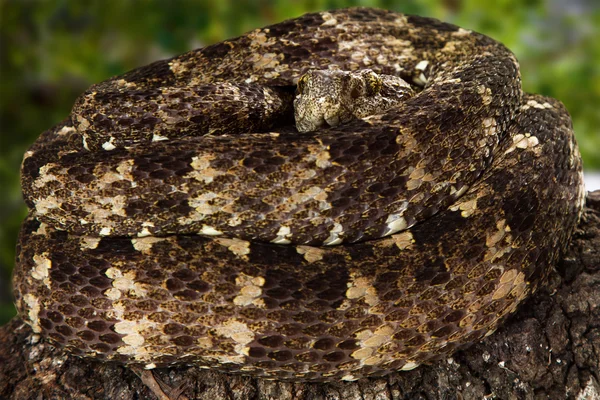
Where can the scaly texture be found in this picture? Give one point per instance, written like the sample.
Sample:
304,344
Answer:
442,213
330,98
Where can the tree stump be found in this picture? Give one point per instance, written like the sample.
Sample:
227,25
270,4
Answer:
549,349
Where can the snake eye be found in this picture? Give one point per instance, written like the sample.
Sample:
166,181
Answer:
302,82
374,84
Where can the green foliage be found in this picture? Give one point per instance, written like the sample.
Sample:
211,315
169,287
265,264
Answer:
51,51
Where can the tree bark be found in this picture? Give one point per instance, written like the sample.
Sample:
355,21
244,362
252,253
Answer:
549,349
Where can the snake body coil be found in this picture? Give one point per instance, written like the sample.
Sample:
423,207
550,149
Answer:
178,216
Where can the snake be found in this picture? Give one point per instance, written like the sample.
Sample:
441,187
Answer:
333,197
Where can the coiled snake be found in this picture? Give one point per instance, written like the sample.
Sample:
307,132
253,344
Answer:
178,216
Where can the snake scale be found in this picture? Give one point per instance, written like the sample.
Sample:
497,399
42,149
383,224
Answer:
179,217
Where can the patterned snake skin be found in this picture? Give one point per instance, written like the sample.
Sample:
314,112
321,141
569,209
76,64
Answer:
178,216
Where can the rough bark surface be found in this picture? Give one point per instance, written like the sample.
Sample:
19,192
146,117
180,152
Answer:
550,349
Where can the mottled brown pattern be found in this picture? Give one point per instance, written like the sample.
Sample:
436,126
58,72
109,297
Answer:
331,97
442,213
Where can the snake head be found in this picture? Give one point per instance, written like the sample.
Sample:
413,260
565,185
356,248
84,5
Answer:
322,99
327,98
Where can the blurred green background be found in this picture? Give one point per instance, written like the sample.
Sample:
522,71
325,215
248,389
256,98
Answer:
51,51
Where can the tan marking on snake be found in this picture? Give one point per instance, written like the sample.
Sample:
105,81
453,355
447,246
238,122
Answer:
395,222
311,254
334,235
134,338
144,244
202,170
209,231
467,207
33,304
508,282
125,284
44,205
240,334
362,288
402,240
322,159
240,248
250,289
525,141
536,104
282,235
46,176
42,268
102,208
42,230
202,207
